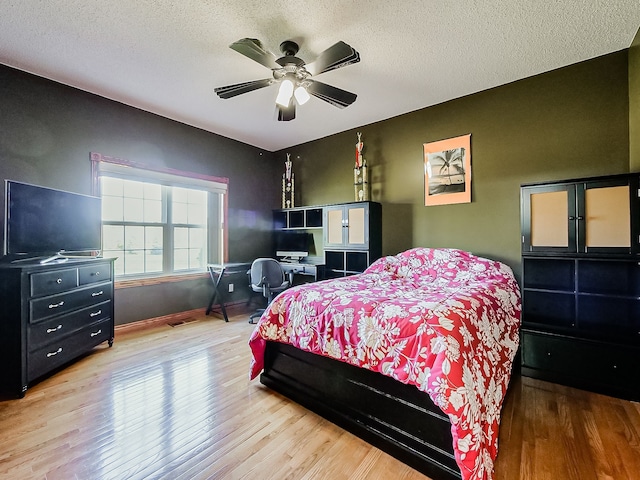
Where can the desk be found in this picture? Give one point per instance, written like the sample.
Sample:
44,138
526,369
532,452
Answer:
309,269
216,272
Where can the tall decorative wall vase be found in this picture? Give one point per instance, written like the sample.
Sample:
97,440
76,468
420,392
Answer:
360,177
288,185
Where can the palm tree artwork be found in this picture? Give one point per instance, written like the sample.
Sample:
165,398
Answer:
445,171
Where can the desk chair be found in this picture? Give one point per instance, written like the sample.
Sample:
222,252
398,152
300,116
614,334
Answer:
267,276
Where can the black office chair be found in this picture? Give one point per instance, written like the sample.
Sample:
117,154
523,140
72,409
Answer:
267,276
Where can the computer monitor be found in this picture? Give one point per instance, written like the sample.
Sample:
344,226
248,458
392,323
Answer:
292,246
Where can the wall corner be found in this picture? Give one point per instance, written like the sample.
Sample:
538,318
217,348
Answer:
634,104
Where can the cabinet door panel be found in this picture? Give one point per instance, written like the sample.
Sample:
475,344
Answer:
357,226
549,218
549,214
607,214
334,226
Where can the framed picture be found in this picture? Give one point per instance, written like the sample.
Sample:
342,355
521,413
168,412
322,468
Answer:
447,171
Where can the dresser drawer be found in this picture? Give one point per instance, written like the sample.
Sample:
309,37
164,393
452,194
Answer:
58,353
42,333
582,363
94,273
46,307
47,283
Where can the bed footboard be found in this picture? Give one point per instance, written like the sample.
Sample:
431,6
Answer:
397,418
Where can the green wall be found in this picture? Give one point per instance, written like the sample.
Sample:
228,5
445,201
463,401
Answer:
571,122
568,123
47,131
634,104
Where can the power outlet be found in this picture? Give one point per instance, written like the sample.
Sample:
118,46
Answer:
231,288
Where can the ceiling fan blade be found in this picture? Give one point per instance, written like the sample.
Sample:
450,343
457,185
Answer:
338,55
286,113
253,48
240,88
333,95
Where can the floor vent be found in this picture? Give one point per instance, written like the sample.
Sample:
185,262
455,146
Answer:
182,322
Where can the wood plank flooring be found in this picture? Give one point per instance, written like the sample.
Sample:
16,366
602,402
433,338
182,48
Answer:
176,403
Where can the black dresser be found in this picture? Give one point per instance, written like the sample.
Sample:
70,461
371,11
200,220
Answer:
50,315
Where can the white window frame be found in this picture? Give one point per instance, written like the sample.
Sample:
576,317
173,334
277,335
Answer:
102,165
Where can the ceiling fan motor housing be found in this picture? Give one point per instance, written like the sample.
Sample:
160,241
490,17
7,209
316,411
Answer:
289,48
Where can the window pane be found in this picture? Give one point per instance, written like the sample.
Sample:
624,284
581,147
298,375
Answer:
152,191
196,238
153,261
190,248
181,259
133,189
133,210
153,238
113,237
180,237
112,209
198,214
189,206
152,211
134,237
180,194
111,186
196,259
133,262
180,212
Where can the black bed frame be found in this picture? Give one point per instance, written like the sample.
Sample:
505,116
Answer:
397,418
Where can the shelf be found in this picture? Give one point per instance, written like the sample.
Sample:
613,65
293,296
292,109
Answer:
300,218
609,278
554,309
549,274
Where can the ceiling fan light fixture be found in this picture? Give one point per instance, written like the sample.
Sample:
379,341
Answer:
301,94
293,75
285,93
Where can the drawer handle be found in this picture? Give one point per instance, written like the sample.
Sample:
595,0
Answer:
51,330
59,281
56,305
97,294
51,354
97,274
93,334
95,314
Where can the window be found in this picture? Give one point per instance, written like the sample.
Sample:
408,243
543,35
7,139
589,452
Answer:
157,222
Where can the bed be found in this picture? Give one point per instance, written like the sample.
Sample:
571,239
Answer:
414,355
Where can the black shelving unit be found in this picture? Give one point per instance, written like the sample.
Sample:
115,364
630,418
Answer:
581,283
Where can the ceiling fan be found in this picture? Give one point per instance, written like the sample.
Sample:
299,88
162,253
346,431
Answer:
294,75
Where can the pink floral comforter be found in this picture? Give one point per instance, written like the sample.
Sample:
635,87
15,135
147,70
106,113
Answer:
443,320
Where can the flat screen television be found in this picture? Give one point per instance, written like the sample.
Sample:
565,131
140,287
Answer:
293,245
46,223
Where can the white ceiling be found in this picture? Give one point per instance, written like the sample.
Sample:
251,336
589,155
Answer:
166,56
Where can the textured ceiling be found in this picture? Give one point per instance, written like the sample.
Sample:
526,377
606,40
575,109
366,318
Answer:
166,56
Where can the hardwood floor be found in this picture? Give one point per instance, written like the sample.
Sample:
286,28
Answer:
176,403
